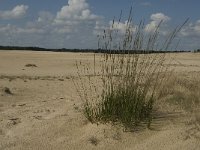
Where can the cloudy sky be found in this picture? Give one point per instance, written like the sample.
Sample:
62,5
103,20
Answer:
76,23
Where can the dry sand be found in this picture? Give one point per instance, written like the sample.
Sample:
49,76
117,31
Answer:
43,110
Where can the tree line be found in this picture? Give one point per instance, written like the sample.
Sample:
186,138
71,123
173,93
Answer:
89,50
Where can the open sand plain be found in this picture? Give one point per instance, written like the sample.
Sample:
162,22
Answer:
40,109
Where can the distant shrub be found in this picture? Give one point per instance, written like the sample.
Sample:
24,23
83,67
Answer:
30,65
7,91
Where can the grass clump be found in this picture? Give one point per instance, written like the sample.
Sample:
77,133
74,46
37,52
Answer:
125,87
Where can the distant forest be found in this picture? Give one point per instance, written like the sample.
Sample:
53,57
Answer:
87,50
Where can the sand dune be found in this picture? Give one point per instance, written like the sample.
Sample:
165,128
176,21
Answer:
43,111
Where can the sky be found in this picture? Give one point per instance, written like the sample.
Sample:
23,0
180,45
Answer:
76,23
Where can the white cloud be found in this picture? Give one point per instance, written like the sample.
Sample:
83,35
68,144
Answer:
12,29
191,30
190,35
118,26
99,27
17,12
45,17
121,27
75,17
155,20
74,13
159,16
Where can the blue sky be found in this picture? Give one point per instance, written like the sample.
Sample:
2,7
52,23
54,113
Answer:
76,23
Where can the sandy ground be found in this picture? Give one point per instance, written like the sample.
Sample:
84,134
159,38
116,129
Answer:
43,110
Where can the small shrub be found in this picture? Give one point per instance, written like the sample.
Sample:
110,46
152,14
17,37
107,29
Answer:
30,65
7,91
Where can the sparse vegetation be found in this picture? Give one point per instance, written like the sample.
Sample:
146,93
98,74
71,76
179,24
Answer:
93,140
129,83
183,92
7,91
30,65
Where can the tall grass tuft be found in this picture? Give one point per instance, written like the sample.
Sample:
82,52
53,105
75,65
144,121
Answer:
126,86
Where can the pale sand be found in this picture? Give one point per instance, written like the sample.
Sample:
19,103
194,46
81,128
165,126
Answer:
44,111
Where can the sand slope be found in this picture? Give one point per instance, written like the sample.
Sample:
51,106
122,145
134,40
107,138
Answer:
43,110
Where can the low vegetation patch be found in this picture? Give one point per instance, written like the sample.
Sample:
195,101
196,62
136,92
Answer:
30,65
6,90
